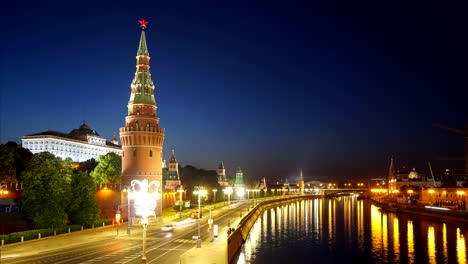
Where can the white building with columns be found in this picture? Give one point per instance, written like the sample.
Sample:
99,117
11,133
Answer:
80,144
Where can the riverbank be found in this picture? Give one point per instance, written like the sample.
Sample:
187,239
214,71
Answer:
457,217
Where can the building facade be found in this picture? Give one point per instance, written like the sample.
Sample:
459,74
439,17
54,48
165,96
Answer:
142,138
80,144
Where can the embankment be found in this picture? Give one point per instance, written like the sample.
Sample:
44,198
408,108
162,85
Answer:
240,234
457,217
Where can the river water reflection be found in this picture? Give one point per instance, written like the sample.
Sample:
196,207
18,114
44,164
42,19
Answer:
348,230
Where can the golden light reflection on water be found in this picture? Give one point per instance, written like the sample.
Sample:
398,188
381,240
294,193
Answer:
431,248
316,217
330,216
461,248
444,241
273,224
360,224
410,236
376,231
396,240
347,218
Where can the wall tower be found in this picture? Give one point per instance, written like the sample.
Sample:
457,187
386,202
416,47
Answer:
301,183
221,171
142,139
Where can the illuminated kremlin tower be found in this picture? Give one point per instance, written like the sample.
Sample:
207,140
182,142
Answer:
301,184
142,139
221,171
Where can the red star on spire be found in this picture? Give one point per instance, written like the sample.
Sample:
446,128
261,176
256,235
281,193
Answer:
143,23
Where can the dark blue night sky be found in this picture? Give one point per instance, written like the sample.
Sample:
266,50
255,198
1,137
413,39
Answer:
335,89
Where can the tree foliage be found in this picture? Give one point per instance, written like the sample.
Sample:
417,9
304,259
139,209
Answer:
13,161
47,190
108,170
192,176
87,166
83,208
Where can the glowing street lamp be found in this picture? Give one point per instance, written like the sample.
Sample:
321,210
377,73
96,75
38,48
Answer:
145,204
201,192
240,192
228,191
127,190
3,189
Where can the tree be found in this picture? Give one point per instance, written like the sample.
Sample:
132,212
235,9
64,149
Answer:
83,208
192,176
108,170
13,161
88,165
47,190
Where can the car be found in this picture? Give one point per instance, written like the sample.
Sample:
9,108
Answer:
167,228
195,214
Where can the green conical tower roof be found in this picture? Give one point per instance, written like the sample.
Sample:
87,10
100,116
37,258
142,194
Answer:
142,85
142,48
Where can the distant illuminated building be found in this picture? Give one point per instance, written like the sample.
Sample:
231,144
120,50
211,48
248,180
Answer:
221,171
301,184
80,144
171,179
239,183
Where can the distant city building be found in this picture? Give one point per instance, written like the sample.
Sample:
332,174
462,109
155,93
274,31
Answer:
142,138
398,178
80,144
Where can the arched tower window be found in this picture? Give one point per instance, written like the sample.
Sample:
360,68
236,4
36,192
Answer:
123,154
134,152
151,153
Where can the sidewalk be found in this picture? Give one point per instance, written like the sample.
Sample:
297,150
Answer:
212,251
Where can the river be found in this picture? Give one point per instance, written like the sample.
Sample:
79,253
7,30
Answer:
349,230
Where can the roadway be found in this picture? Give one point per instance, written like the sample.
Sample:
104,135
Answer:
106,245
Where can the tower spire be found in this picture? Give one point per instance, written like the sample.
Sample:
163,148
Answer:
142,48
142,85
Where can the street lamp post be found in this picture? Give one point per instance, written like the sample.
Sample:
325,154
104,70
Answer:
181,190
129,226
214,191
145,205
228,191
201,192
